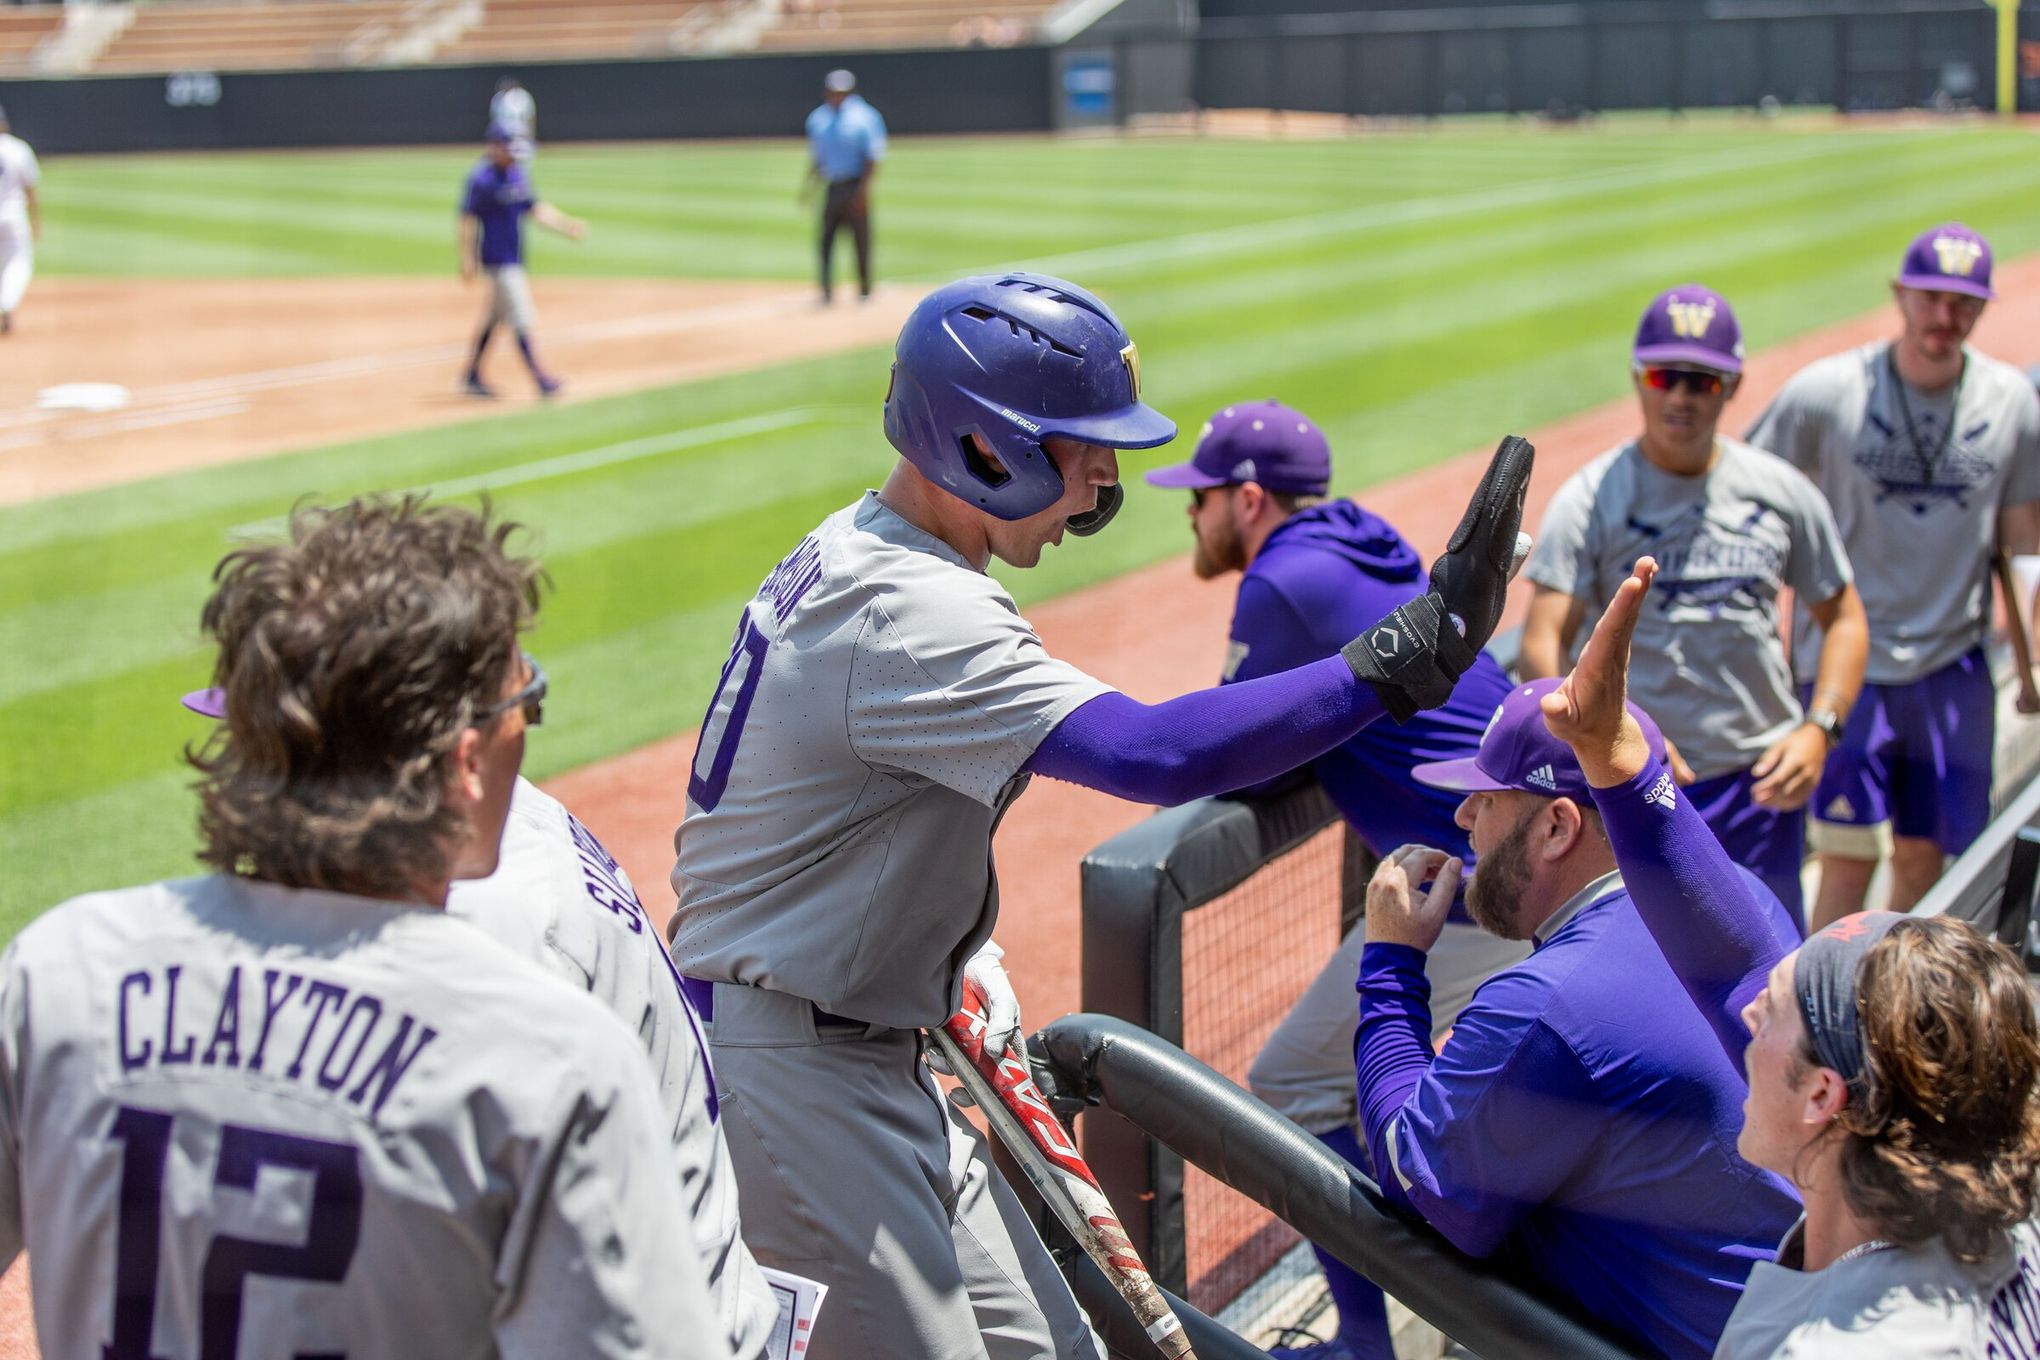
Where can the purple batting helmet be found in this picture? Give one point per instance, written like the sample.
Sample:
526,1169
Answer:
1015,358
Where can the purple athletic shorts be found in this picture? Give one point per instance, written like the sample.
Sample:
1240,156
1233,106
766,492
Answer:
1918,756
1771,845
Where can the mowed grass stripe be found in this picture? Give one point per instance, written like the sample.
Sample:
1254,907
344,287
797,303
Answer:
1407,339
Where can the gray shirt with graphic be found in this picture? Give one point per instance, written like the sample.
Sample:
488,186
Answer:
1709,663
1917,504
869,730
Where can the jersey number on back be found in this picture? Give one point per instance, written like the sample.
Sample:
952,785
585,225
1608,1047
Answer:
331,1230
747,651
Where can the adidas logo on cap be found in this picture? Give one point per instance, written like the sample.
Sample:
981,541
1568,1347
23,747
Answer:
1542,777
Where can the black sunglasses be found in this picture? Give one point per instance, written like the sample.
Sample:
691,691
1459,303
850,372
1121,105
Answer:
531,698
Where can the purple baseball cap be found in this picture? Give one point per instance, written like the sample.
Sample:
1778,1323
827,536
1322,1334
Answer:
498,134
210,702
1256,441
1690,325
1949,258
1518,752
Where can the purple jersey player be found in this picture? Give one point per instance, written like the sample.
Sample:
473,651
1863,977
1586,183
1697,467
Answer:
498,195
1930,454
1573,1124
1314,574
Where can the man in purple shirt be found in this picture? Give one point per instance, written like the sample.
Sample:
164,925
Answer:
499,193
1574,1123
1315,572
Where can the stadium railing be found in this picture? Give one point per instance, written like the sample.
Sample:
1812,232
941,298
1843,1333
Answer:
1184,1105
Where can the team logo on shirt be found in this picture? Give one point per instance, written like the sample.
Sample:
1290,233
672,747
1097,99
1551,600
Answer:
1958,255
1709,563
1891,458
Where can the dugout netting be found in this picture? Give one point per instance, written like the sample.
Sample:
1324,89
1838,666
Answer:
1203,925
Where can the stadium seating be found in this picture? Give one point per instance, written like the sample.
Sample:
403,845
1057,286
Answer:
849,24
559,30
213,37
22,30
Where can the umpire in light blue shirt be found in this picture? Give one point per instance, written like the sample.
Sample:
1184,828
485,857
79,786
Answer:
846,141
1578,1122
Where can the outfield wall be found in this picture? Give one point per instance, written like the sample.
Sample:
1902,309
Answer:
973,90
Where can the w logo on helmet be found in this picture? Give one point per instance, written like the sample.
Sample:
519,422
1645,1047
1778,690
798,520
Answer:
1957,254
1690,320
1130,356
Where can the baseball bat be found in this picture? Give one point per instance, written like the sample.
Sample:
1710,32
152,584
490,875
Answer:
2018,632
1020,1116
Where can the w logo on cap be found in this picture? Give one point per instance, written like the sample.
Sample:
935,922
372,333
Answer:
1957,254
1690,320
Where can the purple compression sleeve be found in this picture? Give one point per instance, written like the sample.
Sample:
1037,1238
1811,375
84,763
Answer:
1210,741
1717,936
1391,1049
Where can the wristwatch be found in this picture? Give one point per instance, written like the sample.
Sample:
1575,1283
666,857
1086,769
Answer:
1829,722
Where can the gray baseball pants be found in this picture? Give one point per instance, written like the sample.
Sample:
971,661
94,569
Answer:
852,1169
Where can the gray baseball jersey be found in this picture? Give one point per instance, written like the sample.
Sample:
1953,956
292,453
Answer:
1917,507
1708,663
558,897
239,1119
870,727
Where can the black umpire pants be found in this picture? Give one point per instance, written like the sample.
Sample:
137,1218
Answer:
840,209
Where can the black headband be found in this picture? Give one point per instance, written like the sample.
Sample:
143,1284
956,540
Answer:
1825,979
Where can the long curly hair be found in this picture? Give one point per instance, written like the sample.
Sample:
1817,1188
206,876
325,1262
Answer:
1946,1142
353,656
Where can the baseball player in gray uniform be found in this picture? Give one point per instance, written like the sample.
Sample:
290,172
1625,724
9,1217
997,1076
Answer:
560,899
293,1108
20,221
1929,453
884,702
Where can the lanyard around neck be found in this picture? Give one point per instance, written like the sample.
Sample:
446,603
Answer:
1927,461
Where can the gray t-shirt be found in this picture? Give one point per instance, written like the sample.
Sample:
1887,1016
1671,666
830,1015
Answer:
328,1125
1894,1304
1709,663
869,729
560,899
1919,515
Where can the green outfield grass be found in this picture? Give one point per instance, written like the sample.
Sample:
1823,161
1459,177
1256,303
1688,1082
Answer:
1419,294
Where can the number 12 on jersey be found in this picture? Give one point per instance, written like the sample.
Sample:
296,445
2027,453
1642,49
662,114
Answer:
332,1228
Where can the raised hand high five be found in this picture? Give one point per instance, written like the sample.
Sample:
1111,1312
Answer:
1587,710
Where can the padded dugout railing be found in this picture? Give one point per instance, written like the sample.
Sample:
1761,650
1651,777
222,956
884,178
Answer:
1169,1096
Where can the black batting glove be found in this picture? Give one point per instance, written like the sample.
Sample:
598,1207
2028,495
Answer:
1415,655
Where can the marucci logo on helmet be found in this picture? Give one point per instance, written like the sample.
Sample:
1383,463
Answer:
1022,421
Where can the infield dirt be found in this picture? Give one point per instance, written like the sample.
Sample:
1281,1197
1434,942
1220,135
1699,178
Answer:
1153,633
223,371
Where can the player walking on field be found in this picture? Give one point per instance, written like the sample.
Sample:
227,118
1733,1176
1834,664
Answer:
20,221
294,1108
1929,452
1314,573
883,704
499,194
1732,526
